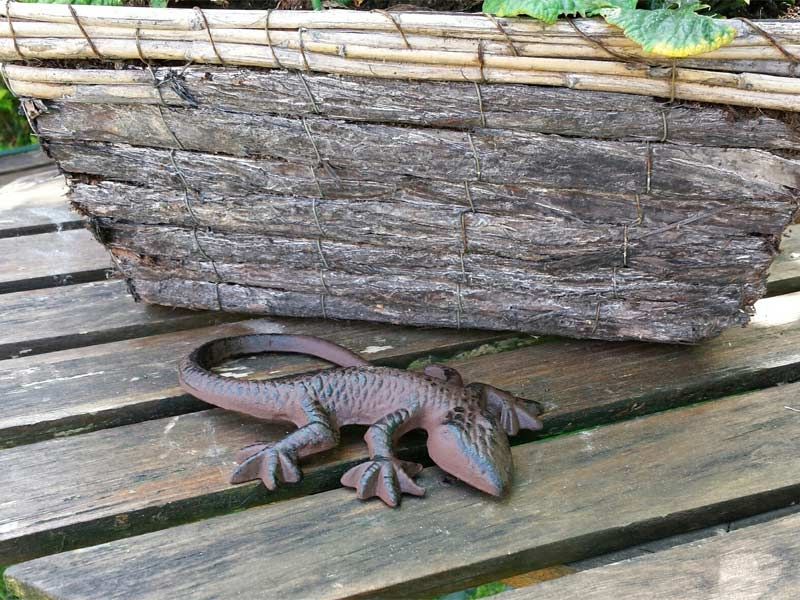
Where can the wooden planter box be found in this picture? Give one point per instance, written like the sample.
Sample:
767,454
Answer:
459,204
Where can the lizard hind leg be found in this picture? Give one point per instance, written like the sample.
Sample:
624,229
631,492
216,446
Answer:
275,463
385,476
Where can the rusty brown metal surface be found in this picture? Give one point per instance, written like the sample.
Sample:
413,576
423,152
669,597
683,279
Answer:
467,425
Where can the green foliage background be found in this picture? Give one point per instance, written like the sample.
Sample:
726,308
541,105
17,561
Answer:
13,126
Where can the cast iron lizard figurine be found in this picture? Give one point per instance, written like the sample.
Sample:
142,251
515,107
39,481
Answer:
466,425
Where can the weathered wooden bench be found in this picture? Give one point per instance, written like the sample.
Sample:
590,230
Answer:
114,484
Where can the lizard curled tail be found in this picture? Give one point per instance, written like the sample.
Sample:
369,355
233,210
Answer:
195,376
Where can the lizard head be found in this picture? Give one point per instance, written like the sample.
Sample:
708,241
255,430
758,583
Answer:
471,446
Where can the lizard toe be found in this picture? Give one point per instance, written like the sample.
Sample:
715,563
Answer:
250,465
364,478
384,478
408,485
352,476
290,472
249,451
509,420
527,417
386,486
269,464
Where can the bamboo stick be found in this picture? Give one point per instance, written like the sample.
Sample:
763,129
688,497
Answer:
449,24
369,44
663,87
26,74
562,47
297,54
86,76
233,35
102,93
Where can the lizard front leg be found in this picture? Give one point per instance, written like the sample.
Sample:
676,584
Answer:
384,475
275,463
507,408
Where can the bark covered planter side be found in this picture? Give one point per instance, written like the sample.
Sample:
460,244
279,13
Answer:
459,204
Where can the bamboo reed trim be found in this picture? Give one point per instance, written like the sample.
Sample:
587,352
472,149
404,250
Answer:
365,38
593,82
469,59
134,93
409,22
31,74
290,52
686,91
576,48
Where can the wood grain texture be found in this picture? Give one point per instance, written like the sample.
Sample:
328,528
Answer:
653,321
51,259
36,203
172,469
281,150
556,290
64,393
24,161
212,129
73,316
590,247
688,467
455,105
581,203
458,106
423,212
762,561
784,274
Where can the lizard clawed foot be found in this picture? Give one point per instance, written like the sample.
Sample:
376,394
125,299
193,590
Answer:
266,462
514,417
386,478
512,412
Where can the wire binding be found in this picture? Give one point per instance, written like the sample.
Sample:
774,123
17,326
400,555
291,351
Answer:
83,31
503,32
10,22
195,225
394,22
200,12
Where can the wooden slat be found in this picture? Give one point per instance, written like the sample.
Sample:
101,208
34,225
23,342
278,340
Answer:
110,384
538,576
762,561
784,274
74,391
73,316
572,496
51,259
171,469
36,203
24,161
602,382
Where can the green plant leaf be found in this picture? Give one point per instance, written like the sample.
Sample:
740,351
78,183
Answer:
549,10
672,32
